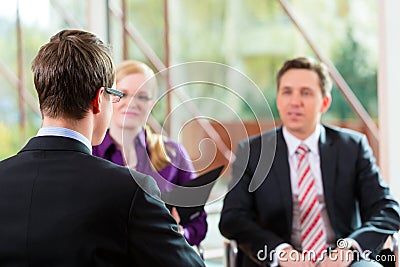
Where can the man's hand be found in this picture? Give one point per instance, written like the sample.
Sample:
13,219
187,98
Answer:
339,257
290,257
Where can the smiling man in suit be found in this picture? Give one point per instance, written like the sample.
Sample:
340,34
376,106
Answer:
306,194
61,206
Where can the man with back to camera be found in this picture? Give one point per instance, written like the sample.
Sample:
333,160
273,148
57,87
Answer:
323,201
61,206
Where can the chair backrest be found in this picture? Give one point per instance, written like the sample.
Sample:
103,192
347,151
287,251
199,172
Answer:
200,250
231,254
395,247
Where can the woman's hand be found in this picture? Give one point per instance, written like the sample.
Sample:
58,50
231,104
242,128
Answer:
175,214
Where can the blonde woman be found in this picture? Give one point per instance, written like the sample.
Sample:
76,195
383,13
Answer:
130,142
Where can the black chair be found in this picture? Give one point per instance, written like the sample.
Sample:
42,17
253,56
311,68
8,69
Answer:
231,252
200,251
388,256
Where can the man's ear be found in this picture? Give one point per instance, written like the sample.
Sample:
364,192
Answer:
96,106
326,103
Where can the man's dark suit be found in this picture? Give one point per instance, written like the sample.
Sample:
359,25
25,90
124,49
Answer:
358,202
61,206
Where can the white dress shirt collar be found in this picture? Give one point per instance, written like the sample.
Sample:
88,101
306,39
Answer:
293,142
64,132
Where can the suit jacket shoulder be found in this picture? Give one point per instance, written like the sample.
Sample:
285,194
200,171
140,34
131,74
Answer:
343,133
268,137
67,206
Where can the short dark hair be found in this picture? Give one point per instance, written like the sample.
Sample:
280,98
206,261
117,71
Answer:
69,70
308,63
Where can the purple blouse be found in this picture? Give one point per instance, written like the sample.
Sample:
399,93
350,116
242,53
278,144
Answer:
180,171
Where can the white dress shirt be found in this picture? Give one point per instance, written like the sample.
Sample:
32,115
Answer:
313,158
312,142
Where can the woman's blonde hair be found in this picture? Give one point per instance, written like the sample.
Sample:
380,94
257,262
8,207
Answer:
155,142
158,154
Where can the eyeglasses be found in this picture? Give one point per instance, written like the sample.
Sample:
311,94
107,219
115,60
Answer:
115,94
142,98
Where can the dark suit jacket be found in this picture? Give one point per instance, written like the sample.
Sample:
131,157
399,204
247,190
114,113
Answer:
61,206
358,202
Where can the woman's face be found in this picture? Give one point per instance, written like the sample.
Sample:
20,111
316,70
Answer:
132,110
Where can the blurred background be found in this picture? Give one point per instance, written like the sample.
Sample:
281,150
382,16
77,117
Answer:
253,37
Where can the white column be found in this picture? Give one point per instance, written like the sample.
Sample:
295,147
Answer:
389,92
96,11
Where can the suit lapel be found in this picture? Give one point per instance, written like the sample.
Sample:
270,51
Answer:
282,174
328,157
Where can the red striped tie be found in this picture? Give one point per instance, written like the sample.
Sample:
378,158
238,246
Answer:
313,236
